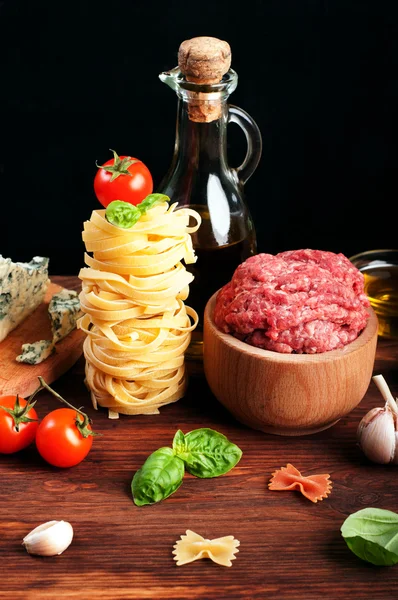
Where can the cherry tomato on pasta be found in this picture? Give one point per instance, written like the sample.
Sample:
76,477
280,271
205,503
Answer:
122,178
64,438
18,424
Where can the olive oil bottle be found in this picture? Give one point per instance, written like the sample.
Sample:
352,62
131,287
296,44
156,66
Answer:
200,176
381,287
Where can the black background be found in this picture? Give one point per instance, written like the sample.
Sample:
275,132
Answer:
319,77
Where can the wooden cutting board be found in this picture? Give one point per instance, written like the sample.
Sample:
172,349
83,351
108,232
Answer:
21,378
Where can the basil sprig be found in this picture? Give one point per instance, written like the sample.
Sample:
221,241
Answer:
372,534
125,215
203,452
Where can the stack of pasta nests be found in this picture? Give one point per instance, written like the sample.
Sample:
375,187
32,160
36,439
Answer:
136,322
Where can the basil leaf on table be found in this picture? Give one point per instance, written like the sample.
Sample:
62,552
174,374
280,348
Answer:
160,476
372,534
206,453
179,443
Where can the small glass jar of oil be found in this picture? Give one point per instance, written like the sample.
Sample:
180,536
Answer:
380,270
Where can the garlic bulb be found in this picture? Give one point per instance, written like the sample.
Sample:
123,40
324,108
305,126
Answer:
378,431
49,539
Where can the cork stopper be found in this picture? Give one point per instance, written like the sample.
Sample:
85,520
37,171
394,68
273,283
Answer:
204,60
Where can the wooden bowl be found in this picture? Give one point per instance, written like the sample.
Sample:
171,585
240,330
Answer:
287,394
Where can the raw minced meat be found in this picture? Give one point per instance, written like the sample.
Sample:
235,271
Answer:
302,301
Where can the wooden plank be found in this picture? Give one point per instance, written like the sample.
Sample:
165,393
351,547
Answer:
290,548
21,378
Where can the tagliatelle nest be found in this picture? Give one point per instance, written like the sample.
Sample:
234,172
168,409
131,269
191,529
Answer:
136,322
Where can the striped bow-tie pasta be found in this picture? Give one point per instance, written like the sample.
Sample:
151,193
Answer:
313,487
136,322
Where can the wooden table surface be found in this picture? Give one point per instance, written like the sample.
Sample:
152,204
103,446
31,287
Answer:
290,548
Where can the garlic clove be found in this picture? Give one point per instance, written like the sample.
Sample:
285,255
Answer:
395,457
376,435
49,539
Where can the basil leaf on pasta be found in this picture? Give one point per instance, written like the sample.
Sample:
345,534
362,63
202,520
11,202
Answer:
125,215
151,201
122,214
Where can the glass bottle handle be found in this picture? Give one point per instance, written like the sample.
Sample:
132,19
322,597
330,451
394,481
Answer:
253,138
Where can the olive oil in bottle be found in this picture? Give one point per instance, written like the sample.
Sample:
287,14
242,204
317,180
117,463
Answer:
214,267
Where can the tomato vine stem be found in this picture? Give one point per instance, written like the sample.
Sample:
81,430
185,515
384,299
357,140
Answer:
81,425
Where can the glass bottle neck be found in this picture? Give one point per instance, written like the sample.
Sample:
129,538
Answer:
199,145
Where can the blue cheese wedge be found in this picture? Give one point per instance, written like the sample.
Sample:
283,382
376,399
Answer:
22,289
64,310
33,354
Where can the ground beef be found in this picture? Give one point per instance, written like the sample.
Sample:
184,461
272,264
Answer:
302,301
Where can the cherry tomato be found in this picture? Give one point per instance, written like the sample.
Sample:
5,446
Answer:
12,440
122,178
59,440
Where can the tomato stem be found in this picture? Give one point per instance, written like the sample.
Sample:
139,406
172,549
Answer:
119,167
19,413
81,425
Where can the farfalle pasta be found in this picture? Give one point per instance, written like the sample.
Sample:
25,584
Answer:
313,487
136,322
193,546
